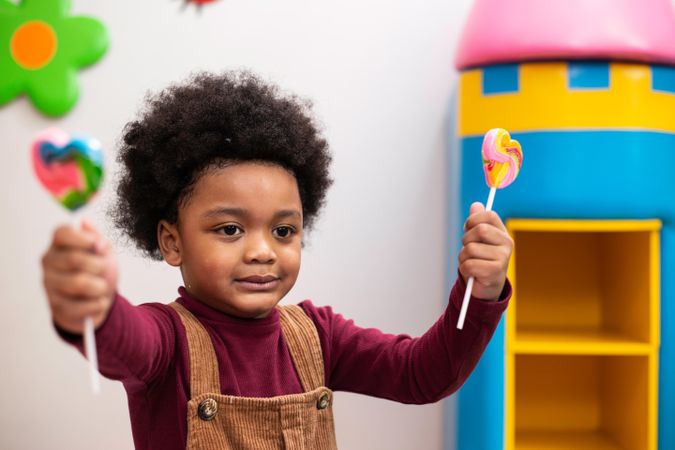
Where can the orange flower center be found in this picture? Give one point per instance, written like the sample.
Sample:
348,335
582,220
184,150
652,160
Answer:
33,45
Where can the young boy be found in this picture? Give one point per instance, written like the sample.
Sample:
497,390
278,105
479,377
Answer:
221,177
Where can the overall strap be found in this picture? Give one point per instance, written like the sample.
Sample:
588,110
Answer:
204,376
303,343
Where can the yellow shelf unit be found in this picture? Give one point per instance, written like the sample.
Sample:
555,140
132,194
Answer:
582,335
565,440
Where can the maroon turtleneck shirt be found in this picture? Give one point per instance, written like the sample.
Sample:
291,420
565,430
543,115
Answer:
145,347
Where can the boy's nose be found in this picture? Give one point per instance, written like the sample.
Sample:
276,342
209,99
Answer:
259,250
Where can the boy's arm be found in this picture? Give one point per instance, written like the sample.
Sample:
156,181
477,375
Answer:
398,367
433,366
134,344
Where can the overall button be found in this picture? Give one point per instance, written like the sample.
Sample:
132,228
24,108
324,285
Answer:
323,402
207,409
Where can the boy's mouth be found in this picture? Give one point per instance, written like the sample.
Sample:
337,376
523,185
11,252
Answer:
258,282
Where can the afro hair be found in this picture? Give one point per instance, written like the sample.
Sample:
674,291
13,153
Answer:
207,121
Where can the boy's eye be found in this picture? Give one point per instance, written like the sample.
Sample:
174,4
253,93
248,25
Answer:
231,230
283,232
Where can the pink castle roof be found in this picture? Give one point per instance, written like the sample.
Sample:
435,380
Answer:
500,31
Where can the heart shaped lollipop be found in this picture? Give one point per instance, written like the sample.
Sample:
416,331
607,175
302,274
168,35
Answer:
70,168
502,158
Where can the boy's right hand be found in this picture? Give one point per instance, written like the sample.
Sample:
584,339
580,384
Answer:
80,276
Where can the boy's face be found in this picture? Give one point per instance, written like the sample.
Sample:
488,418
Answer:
238,238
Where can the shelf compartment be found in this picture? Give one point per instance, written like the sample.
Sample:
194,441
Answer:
588,282
584,401
569,341
564,441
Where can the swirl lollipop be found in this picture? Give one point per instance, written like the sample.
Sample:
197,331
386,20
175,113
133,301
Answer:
71,170
502,158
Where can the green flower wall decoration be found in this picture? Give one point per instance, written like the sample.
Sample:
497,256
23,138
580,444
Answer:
41,49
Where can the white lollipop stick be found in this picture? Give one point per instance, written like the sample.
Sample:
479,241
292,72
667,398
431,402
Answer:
90,351
90,345
469,284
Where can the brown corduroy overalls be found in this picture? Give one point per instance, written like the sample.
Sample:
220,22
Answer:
292,422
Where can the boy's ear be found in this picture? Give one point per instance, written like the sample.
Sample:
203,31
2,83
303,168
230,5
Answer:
169,242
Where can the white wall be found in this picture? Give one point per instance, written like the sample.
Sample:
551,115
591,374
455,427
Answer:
380,73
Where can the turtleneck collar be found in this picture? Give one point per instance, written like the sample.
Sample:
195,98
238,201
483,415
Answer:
206,312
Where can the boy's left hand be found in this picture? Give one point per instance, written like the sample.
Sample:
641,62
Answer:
485,253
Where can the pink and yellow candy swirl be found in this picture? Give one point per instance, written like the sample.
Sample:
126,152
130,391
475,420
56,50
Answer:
502,158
